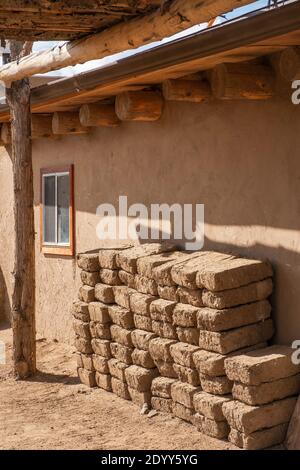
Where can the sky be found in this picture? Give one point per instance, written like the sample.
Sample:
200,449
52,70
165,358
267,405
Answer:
71,71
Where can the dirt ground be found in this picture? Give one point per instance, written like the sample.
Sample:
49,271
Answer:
54,411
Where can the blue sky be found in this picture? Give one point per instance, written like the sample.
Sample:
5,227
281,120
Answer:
70,71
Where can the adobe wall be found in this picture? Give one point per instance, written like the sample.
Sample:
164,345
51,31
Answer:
239,159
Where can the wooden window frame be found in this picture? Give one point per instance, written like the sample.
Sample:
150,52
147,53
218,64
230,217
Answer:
55,249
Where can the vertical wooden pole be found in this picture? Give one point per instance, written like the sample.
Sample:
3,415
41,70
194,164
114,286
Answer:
23,296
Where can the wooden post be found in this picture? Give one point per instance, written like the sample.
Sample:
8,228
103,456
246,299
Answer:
98,115
139,106
243,81
195,91
289,63
23,295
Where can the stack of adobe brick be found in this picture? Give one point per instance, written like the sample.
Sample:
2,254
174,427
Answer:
121,321
265,385
161,324
89,264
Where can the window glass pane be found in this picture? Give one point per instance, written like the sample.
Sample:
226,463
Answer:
63,204
49,209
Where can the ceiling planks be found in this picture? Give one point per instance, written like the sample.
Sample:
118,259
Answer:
65,20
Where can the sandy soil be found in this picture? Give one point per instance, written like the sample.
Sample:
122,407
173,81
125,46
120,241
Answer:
54,411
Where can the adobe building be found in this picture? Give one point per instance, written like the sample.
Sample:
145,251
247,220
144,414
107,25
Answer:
205,119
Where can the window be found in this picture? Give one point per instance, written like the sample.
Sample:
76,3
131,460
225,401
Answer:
57,218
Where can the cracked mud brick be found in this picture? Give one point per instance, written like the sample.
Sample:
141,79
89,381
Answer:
101,347
83,345
92,327
184,393
162,273
88,261
219,385
266,392
167,293
145,285
213,364
248,419
87,377
228,341
183,354
121,316
103,331
127,260
161,387
142,358
121,335
210,405
82,329
141,339
104,293
241,295
265,365
142,323
140,303
147,264
127,278
87,362
184,274
99,312
100,364
86,294
90,279
107,256
103,381
117,369
140,378
182,412
220,320
210,427
139,398
164,329
120,388
166,369
162,310
260,439
122,353
159,348
109,276
122,296
186,374
162,404
188,335
232,273
190,296
185,315
80,311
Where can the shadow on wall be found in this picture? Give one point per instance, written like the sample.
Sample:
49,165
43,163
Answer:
4,300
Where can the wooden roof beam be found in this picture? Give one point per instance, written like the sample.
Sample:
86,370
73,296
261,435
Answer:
177,16
243,81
